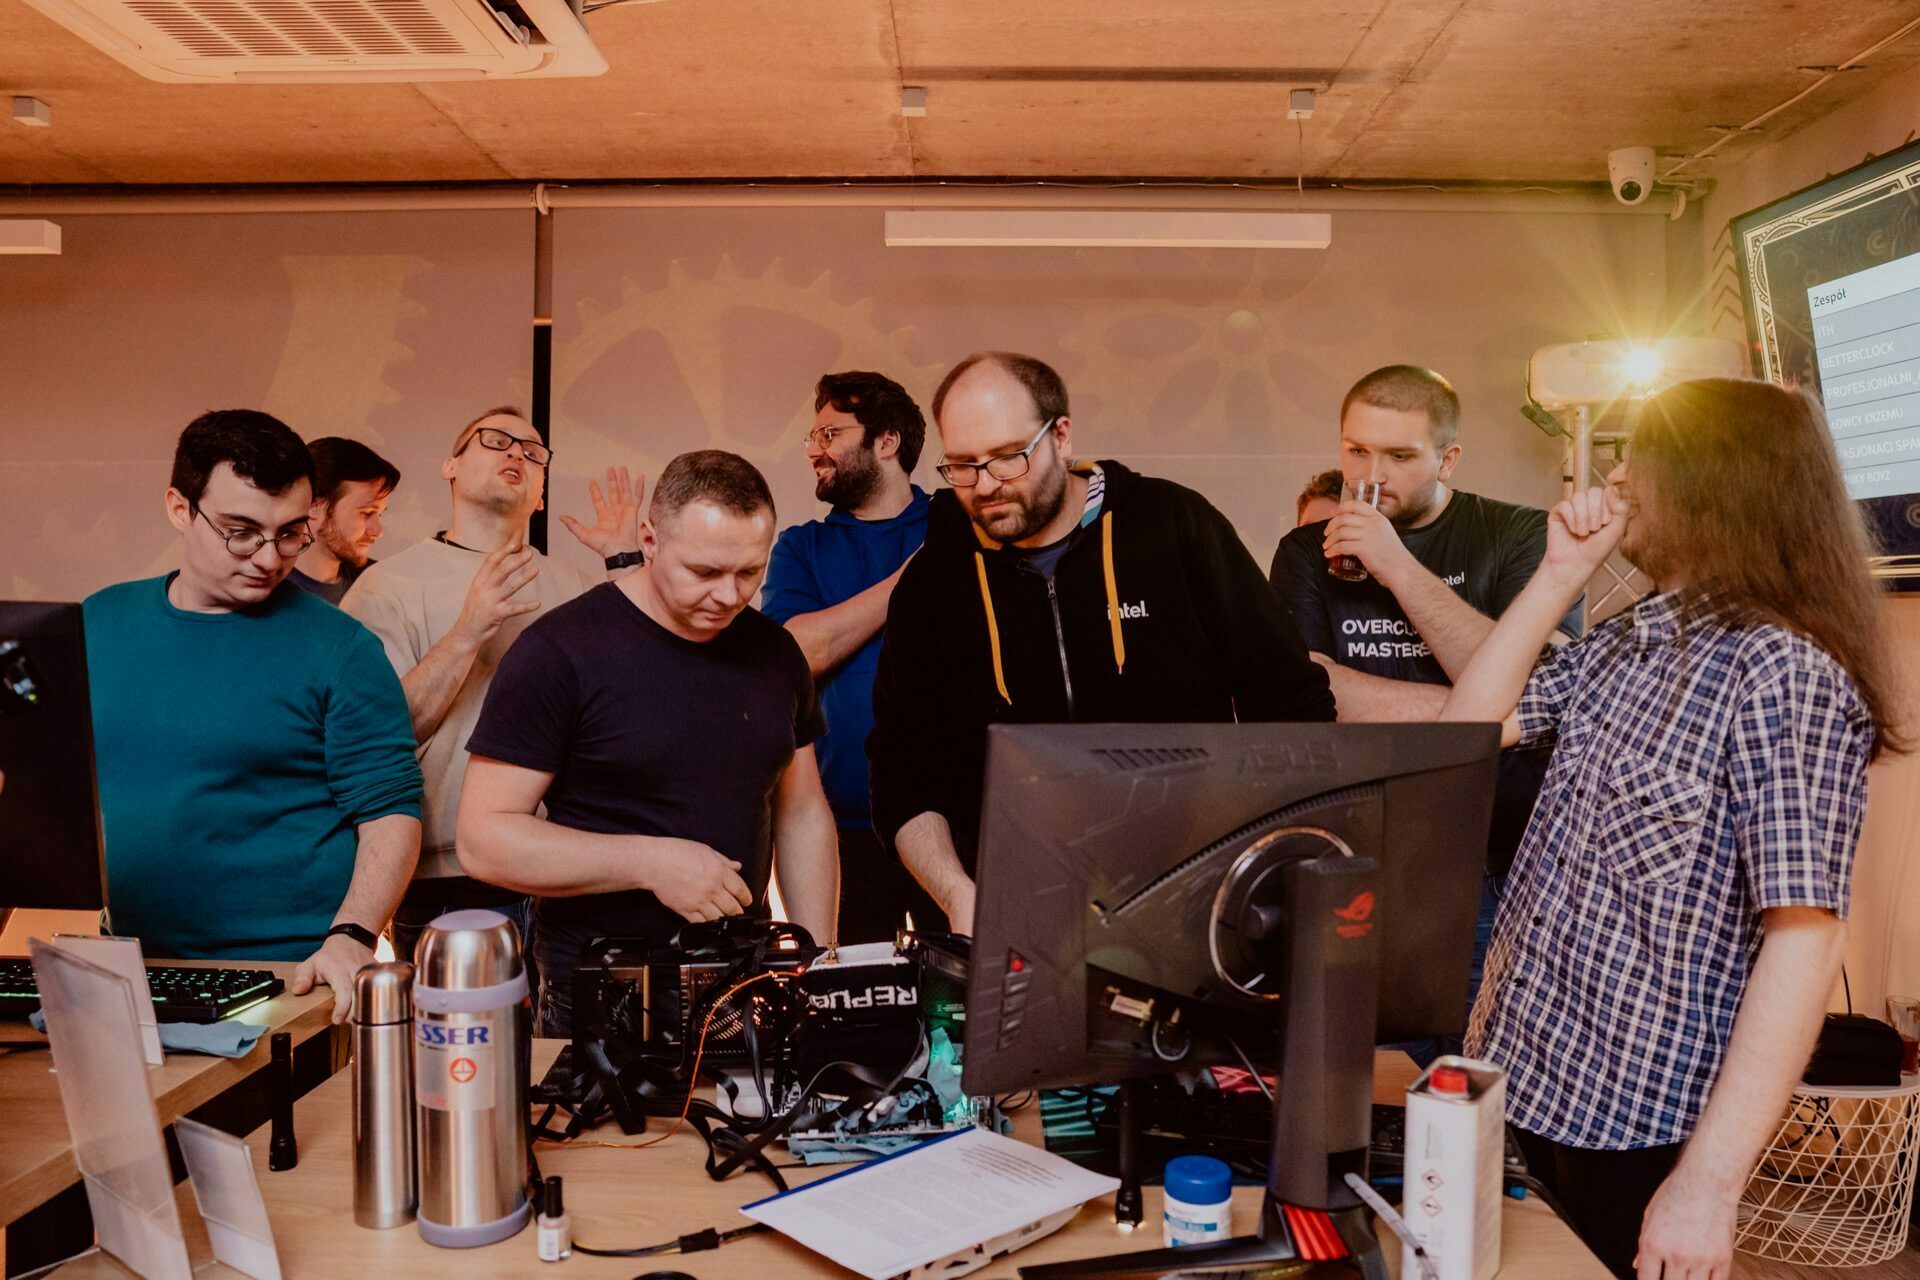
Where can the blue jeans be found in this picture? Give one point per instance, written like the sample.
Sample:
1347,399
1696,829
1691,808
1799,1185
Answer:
1423,1052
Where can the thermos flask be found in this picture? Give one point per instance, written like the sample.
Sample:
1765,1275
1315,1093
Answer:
472,1036
384,1185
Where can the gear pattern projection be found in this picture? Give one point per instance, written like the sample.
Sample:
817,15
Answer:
1222,388
725,360
342,343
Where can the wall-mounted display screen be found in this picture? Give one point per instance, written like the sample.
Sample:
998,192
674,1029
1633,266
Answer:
1832,281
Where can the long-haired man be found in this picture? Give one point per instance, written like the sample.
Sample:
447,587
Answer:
1674,920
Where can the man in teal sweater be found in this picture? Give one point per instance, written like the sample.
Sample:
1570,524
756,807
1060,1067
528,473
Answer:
258,788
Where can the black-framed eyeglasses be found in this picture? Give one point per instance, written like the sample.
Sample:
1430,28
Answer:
1005,466
821,437
245,544
499,441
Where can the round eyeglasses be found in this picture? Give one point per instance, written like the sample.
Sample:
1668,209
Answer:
821,437
246,543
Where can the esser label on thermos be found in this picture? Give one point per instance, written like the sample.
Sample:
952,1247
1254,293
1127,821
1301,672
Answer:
453,1065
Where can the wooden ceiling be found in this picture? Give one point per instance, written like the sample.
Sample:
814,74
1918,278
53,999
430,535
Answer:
1508,91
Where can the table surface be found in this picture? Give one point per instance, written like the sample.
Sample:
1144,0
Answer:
625,1198
36,1154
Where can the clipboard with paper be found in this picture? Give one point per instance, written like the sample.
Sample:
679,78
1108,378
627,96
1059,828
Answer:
968,1193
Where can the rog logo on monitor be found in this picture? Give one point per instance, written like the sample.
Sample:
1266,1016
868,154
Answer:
21,688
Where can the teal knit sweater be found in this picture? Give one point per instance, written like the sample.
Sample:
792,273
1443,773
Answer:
237,753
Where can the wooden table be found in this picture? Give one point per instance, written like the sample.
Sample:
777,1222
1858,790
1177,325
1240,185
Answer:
623,1199
36,1154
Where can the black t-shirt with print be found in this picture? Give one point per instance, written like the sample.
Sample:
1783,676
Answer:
1486,551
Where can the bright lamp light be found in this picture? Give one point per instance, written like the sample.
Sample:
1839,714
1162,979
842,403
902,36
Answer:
1607,371
1641,366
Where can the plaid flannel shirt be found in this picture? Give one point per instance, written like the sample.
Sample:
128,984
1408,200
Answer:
1703,773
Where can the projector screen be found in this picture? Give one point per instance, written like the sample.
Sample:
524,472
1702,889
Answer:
1832,282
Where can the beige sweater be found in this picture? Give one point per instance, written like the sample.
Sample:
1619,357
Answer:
410,601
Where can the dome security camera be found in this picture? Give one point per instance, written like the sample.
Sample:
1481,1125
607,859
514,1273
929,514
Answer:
1630,172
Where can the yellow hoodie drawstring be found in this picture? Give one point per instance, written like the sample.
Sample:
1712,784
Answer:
1113,607
1113,594
993,628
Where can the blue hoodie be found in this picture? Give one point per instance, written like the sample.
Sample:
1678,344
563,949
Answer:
816,566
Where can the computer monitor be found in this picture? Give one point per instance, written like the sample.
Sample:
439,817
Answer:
49,801
1154,898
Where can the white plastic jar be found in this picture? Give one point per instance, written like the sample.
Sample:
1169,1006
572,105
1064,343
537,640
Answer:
1199,1201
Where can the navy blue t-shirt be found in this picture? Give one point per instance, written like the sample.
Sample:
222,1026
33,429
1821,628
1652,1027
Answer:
1487,552
816,566
646,733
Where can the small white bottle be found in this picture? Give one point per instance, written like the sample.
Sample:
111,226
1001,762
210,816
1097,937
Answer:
553,1228
1199,1201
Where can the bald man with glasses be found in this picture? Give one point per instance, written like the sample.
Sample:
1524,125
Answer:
258,790
1053,590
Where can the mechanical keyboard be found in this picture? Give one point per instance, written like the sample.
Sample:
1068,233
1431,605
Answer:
180,994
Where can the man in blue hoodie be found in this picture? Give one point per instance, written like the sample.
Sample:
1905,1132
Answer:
829,582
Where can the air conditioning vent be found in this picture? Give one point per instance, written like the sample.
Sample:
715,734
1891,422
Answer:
292,41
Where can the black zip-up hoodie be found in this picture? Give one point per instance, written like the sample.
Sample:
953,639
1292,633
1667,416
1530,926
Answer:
1156,613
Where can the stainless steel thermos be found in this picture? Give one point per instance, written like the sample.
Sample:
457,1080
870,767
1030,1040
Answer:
384,1181
471,1038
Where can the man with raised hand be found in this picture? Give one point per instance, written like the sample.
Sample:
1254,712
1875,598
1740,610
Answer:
1440,564
1675,918
447,609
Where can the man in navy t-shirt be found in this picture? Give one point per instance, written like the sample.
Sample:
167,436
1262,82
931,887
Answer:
1441,566
668,729
829,581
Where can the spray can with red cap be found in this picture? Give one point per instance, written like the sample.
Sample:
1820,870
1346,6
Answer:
1456,1146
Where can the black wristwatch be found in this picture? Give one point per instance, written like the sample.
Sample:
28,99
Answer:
625,560
358,932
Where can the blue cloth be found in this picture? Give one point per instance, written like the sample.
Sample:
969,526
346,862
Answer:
816,566
222,1039
237,754
1703,773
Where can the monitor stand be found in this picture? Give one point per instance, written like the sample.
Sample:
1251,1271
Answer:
1319,912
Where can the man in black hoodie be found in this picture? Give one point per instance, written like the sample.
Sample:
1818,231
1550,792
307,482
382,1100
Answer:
1050,592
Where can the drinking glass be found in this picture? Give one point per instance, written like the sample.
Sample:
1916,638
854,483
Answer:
1346,567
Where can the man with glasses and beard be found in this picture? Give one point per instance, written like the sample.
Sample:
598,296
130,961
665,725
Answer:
447,608
829,582
1053,591
258,790
351,488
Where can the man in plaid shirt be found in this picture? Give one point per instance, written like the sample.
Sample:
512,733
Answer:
1673,923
